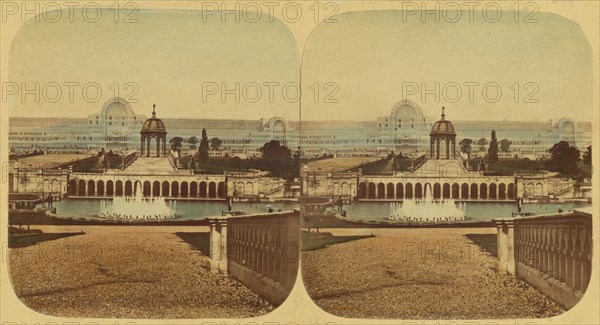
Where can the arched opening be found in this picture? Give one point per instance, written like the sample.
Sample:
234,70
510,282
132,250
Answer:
110,191
371,190
56,186
529,190
212,190
390,191
539,190
437,191
464,188
399,191
418,191
380,191
91,188
46,186
119,188
511,191
483,191
128,189
156,188
249,190
502,191
409,191
165,189
446,191
147,189
239,189
100,188
345,189
82,189
493,194
222,190
362,190
474,191
336,189
175,189
203,189
193,189
184,189
455,191
72,187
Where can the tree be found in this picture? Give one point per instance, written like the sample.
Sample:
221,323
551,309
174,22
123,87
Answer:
203,150
493,149
587,156
193,140
505,145
564,158
465,147
176,143
273,151
278,159
482,143
215,144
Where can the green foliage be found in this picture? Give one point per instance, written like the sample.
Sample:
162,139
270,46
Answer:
493,149
587,156
505,145
273,152
277,159
376,167
193,140
215,144
564,159
465,146
510,167
176,143
482,143
203,149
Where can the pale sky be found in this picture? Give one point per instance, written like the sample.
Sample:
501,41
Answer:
167,54
371,54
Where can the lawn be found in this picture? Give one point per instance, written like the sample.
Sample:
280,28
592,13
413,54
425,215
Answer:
50,161
340,164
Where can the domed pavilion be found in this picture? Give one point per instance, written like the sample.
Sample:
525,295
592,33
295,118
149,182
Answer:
154,128
442,132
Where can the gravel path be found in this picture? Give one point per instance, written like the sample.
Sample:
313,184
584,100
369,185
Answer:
417,274
126,271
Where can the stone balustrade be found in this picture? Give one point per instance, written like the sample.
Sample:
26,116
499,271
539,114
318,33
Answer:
551,252
260,250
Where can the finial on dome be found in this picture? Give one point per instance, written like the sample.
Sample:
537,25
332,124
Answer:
443,114
154,110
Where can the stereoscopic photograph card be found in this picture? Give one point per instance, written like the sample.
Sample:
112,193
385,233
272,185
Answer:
299,162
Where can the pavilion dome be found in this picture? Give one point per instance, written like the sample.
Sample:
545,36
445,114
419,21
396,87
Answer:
153,124
442,127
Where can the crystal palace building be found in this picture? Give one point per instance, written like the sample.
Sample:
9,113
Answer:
406,130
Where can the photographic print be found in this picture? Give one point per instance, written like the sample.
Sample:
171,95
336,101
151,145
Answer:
299,162
149,176
452,177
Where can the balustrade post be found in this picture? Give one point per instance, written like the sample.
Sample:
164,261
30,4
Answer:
218,245
213,242
506,246
223,246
